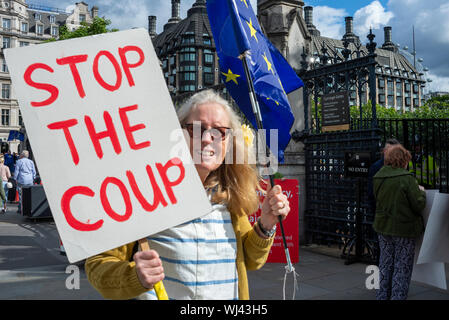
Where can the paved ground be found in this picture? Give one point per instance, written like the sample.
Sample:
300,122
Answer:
324,276
31,267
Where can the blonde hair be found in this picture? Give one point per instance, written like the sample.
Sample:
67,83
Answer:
235,182
2,159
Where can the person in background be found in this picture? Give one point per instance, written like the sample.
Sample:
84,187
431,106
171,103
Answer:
398,222
3,198
24,174
5,174
206,258
10,161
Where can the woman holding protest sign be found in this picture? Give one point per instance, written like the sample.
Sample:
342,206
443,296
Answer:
206,258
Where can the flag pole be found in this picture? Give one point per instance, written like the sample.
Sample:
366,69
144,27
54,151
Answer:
258,116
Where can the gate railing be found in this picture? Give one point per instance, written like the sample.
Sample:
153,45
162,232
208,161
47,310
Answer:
427,141
337,207
337,212
331,206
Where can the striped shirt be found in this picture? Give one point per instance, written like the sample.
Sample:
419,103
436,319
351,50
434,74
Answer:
199,258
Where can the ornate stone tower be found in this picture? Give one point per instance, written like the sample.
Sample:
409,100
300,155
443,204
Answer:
276,18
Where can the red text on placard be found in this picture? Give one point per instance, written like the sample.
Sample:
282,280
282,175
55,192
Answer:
73,61
125,191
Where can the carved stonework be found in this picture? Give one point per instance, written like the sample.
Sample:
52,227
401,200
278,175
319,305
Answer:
276,23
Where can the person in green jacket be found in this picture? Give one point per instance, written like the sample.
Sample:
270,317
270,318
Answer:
398,222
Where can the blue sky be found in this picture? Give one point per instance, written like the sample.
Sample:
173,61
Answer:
351,6
430,19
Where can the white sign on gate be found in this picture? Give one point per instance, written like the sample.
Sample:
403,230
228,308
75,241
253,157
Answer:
98,115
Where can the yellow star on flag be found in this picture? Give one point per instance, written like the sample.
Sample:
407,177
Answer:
231,76
268,63
252,29
246,4
277,103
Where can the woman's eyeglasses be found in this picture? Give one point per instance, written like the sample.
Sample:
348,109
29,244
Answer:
217,133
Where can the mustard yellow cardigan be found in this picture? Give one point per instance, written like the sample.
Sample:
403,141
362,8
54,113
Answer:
113,275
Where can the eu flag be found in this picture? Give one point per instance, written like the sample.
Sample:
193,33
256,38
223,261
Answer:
15,135
236,30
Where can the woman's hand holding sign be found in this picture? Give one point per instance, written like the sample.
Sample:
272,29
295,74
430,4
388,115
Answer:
148,268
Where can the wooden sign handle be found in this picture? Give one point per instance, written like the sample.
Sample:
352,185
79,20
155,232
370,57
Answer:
158,287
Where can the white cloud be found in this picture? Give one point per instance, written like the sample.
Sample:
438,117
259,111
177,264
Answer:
373,16
330,21
430,19
438,83
125,14
435,21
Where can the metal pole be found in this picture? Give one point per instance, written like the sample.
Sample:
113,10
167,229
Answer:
258,115
359,89
372,77
414,49
373,95
315,98
306,108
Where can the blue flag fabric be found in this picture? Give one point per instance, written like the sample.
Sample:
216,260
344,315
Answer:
15,135
236,30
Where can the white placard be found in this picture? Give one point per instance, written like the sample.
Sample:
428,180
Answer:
99,118
431,273
435,242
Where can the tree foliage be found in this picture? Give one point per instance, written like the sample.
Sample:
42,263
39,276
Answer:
432,109
435,108
98,26
381,112
439,102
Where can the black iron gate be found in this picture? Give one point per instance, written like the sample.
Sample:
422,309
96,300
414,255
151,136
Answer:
337,207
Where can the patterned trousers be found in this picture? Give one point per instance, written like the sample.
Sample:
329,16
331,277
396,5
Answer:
395,266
